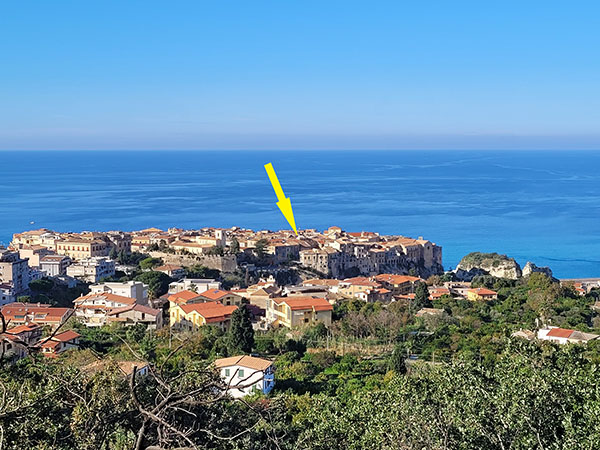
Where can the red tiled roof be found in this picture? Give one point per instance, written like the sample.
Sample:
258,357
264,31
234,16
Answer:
183,296
560,332
215,294
107,296
300,303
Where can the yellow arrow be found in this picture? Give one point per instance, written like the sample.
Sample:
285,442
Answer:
284,203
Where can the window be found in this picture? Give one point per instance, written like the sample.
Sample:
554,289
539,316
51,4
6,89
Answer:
241,373
226,372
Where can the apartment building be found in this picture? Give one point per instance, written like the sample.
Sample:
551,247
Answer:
55,265
291,312
92,269
14,270
81,249
130,289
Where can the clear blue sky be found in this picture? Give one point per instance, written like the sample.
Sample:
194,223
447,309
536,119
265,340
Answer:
299,74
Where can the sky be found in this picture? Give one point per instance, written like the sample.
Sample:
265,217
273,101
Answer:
299,74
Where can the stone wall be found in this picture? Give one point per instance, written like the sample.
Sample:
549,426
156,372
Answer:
225,263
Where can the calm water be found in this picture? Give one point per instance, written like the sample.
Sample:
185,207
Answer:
538,206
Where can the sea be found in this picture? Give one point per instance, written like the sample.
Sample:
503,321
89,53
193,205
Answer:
539,206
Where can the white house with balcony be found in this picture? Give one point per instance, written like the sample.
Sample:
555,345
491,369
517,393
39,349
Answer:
244,375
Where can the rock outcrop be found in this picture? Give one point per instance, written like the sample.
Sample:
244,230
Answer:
532,268
477,263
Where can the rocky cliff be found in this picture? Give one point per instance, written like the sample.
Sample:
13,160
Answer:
532,268
477,263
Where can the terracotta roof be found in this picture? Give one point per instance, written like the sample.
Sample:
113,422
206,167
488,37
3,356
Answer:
23,328
321,282
211,311
560,332
66,336
183,296
49,313
107,296
249,362
396,279
483,291
215,294
300,303
135,307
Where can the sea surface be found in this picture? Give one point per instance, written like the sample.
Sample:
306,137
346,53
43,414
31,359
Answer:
540,206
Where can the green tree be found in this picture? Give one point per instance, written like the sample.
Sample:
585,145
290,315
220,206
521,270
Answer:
149,263
158,283
397,361
43,285
241,333
421,296
234,248
260,248
216,250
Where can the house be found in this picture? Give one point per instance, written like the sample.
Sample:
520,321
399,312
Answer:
92,269
34,254
93,309
7,293
565,336
29,334
192,316
59,343
439,292
184,297
171,270
12,348
481,294
14,270
125,368
398,284
132,289
298,311
244,375
54,265
193,284
136,313
225,297
38,313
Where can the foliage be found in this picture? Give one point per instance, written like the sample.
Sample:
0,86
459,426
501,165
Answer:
158,283
241,333
149,263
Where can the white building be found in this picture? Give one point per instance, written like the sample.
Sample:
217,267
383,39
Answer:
92,269
7,294
246,375
565,336
93,309
194,284
54,265
132,289
14,270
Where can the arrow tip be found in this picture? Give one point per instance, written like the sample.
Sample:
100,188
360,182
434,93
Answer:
285,206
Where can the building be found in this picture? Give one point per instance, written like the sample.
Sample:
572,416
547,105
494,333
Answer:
398,284
481,294
134,314
194,284
93,309
30,334
92,270
176,272
225,297
298,311
38,313
59,343
34,254
78,248
7,294
14,270
55,265
565,336
132,289
244,375
192,316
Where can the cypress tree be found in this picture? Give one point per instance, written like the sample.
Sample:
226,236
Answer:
241,333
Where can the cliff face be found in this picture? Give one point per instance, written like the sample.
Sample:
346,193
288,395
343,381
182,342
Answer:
477,263
532,268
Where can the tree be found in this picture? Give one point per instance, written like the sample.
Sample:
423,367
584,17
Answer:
43,285
113,254
234,248
260,248
421,296
158,282
397,361
241,333
149,263
216,250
